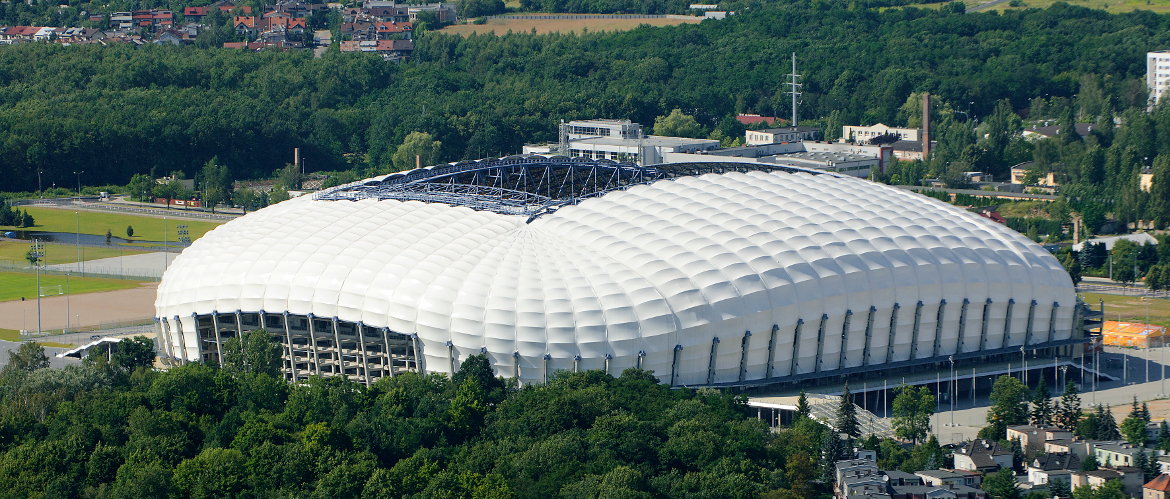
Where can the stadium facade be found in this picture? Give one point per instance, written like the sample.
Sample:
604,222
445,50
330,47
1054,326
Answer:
720,274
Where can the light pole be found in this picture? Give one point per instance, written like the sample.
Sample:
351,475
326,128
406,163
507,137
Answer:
40,192
77,217
1063,375
67,324
1024,373
37,255
78,182
952,390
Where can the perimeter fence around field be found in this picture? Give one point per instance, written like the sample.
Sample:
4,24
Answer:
553,17
1122,290
94,203
132,273
100,326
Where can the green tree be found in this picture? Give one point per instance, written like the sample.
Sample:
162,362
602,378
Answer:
912,411
847,417
677,124
1073,267
1106,425
418,148
140,187
129,231
216,183
255,353
278,195
802,407
132,353
28,358
1068,410
1001,485
214,473
1042,411
1009,406
1134,430
289,178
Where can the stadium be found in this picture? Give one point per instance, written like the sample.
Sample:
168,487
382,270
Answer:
709,274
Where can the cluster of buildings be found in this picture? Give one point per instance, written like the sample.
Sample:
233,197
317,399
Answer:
378,26
1051,454
625,141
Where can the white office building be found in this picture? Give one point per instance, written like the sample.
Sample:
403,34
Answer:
1157,74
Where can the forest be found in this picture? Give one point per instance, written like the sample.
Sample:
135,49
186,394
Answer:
115,427
117,111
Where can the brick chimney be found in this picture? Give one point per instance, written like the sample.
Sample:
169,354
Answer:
926,127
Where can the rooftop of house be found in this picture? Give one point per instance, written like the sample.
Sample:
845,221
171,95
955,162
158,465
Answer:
1056,461
1161,482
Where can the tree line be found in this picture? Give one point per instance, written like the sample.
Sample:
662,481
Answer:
118,111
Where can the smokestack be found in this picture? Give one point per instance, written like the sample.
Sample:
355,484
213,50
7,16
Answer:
297,159
926,127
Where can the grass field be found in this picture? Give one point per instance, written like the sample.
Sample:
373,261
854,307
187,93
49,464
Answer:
1131,308
62,253
1113,6
501,26
96,223
14,285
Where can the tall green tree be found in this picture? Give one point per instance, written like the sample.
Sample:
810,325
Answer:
1042,411
1009,406
678,124
912,409
216,183
847,417
1068,411
418,148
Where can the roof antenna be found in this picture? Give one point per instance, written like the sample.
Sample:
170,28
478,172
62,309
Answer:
796,87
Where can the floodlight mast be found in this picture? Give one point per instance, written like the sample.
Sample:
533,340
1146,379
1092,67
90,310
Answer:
795,91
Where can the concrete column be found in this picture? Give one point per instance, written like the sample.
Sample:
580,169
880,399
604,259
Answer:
641,358
577,362
743,348
673,364
218,340
1031,320
389,365
1052,322
547,357
820,343
842,357
292,357
938,327
182,339
418,361
914,334
983,328
451,358
608,358
313,343
962,325
240,325
365,359
795,347
868,336
1007,325
711,362
771,351
516,365
893,333
339,365
165,327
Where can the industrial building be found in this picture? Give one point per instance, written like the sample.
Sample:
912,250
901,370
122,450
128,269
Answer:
725,274
617,140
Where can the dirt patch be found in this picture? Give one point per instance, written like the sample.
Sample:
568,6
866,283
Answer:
90,309
542,26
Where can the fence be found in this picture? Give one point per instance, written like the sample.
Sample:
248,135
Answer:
595,16
101,326
1122,290
93,203
133,273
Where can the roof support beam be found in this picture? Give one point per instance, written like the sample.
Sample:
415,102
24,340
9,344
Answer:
893,333
938,327
743,347
842,357
914,334
711,363
983,327
771,351
820,343
868,335
962,326
1007,324
796,347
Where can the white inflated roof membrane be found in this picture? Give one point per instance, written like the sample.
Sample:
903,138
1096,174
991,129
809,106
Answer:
637,272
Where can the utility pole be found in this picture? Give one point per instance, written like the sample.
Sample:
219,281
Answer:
37,253
795,91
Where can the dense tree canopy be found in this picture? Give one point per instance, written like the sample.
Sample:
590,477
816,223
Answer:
117,111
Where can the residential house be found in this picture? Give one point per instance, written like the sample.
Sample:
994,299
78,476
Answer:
1116,453
393,31
947,478
1131,479
1157,488
169,37
296,9
1046,467
855,467
80,35
982,455
245,25
1076,446
359,30
394,49
852,486
1032,438
932,492
395,14
197,14
901,478
445,12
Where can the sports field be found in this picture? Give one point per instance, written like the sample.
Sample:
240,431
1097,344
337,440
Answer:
97,223
1130,308
62,253
542,26
15,285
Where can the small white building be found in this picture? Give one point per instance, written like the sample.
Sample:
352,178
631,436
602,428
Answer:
1157,74
867,133
780,135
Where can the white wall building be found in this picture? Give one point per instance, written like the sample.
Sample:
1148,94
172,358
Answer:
866,133
1157,74
781,135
